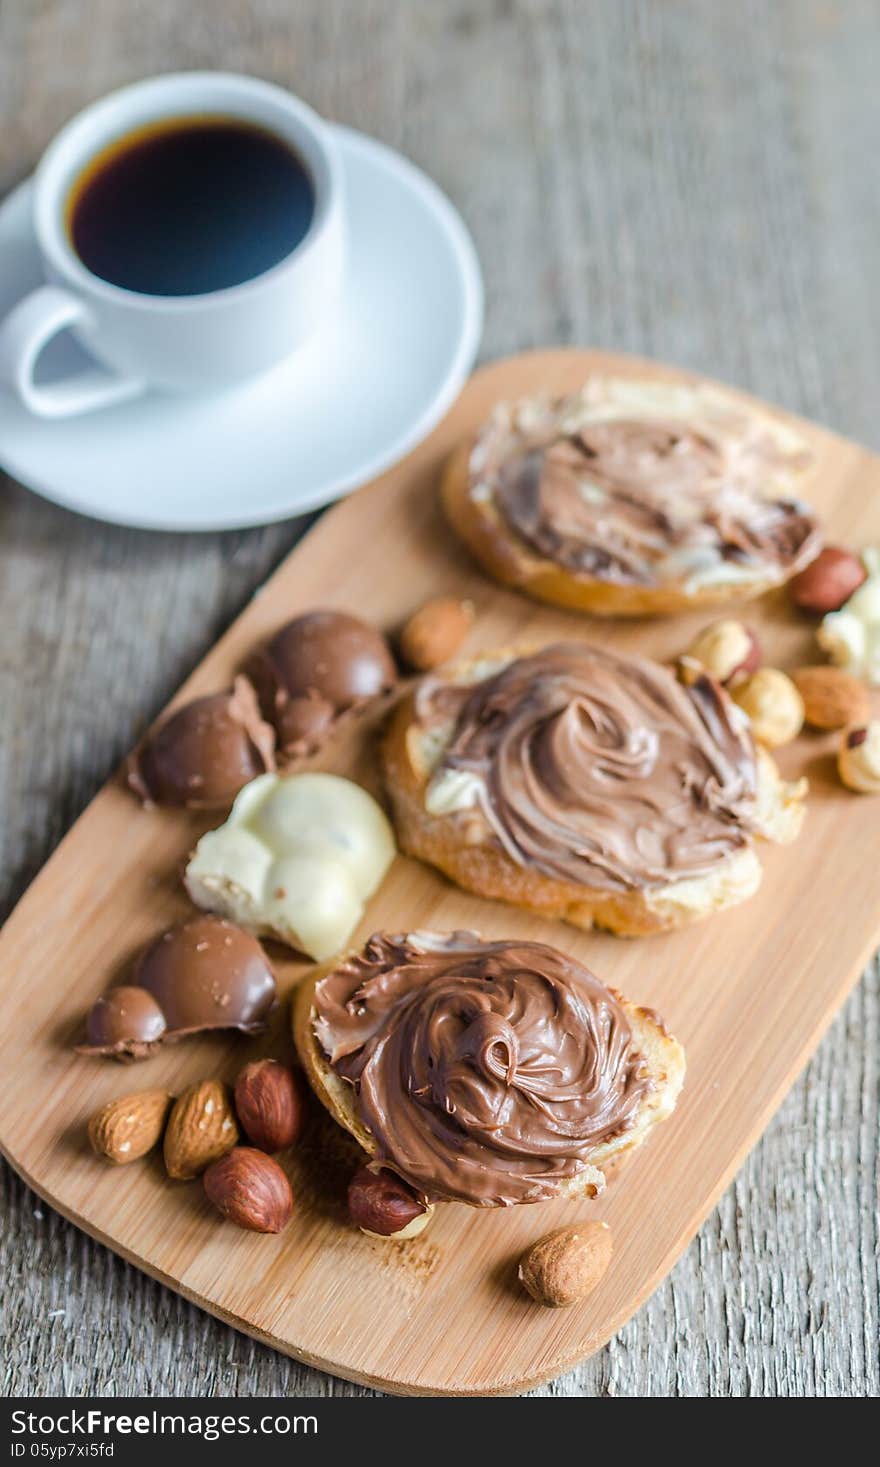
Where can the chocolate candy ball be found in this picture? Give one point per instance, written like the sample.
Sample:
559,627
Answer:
315,669
126,1020
205,752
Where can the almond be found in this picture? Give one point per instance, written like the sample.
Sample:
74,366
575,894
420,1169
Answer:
250,1189
201,1128
435,632
129,1127
566,1266
832,697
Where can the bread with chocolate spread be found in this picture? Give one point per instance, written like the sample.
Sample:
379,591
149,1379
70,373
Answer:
489,1073
634,498
609,791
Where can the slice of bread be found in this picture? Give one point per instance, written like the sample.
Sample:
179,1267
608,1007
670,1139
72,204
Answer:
663,1056
505,555
474,861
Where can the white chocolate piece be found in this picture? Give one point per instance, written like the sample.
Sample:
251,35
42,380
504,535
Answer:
851,636
297,859
451,790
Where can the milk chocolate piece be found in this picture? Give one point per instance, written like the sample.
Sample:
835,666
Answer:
208,974
305,722
205,974
205,752
127,1022
317,668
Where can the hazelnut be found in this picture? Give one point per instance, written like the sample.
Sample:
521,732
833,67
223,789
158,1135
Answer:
858,759
851,636
435,632
129,1127
565,1266
250,1189
773,704
270,1104
200,1129
827,581
727,650
832,697
382,1205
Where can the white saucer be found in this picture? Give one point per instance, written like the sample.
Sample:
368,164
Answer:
351,402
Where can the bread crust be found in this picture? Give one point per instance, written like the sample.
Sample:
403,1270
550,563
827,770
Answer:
663,1055
500,552
487,870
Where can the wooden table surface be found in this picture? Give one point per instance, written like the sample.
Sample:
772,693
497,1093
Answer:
689,180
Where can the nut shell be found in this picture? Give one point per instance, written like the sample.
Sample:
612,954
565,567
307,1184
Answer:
832,698
270,1104
201,1128
250,1189
774,706
435,632
828,581
565,1266
127,1128
383,1205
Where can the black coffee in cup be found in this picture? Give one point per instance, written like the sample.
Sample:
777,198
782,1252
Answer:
190,205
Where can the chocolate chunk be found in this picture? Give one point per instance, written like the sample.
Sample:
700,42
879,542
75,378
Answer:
315,669
127,1021
208,974
205,752
304,723
205,974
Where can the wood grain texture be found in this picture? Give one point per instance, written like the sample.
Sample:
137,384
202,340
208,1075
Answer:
697,182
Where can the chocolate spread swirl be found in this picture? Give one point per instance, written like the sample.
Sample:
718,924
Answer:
597,769
647,502
486,1072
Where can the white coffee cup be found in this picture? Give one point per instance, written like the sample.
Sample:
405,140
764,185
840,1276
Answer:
178,343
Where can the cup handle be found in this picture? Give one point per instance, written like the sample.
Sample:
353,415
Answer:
27,329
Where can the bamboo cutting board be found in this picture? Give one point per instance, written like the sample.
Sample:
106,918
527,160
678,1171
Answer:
749,993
